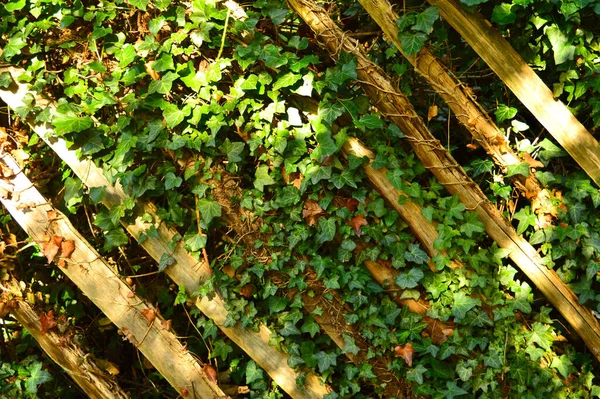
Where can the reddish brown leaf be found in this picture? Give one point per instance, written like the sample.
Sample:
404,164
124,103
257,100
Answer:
471,146
149,314
210,372
352,204
183,392
534,163
247,290
432,112
312,211
66,248
405,352
167,324
47,321
50,249
357,222
52,214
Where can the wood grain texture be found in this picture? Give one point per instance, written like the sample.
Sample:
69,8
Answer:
525,84
77,363
186,271
99,282
396,106
458,97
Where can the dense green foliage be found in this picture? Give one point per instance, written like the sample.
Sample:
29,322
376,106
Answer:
144,84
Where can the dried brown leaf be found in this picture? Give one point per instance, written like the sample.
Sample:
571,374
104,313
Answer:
312,211
210,372
357,222
432,112
534,163
149,314
47,321
66,248
405,352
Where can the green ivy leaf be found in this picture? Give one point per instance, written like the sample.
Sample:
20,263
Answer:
563,51
289,79
310,326
277,15
253,372
326,143
471,225
412,42
70,122
325,360
327,229
425,20
518,169
409,279
462,304
481,166
115,238
369,122
416,374
195,242
37,377
563,364
415,254
550,150
173,115
504,112
172,181
141,4
453,390
126,55
233,150
209,209
503,14
164,63
470,3
5,79
13,46
262,178
164,84
14,5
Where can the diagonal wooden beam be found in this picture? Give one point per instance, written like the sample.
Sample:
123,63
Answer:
454,92
76,362
449,173
186,271
525,84
139,321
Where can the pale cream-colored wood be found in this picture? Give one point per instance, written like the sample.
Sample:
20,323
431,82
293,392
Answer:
79,364
396,106
525,84
458,97
99,282
186,271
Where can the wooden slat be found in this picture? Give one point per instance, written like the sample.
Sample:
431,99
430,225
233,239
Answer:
97,280
457,95
77,363
186,270
525,84
449,173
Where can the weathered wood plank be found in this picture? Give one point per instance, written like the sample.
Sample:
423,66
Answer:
139,321
456,94
525,84
77,363
186,271
449,173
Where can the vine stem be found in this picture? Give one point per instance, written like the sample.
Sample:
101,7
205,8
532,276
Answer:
224,33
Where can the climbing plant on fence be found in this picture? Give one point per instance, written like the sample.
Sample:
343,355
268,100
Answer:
197,107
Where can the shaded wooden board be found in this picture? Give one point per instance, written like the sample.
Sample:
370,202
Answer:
457,95
186,270
77,363
99,282
436,158
525,84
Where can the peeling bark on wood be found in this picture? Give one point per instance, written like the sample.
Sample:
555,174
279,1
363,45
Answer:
97,280
434,156
467,110
186,271
81,366
525,84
